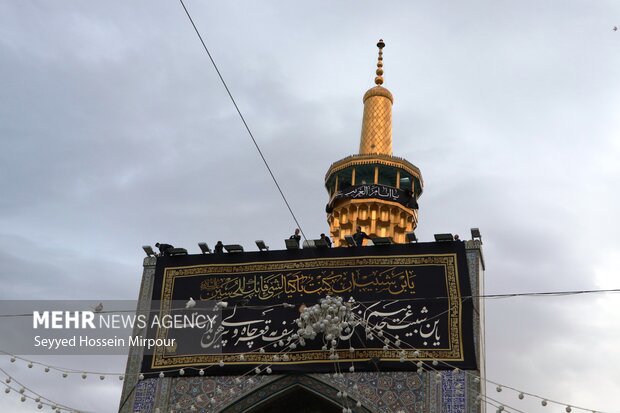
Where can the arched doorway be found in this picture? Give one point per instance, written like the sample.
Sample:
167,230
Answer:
293,393
296,399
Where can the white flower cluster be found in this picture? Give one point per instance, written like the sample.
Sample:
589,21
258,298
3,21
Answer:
331,317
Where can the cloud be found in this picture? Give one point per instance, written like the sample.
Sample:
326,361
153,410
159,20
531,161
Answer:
116,133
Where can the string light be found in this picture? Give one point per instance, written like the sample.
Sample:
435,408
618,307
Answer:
65,371
331,317
27,393
499,386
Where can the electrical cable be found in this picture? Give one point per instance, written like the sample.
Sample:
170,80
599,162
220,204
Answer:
388,340
275,181
482,296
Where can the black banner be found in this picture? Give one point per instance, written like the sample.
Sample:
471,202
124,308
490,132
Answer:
417,295
365,191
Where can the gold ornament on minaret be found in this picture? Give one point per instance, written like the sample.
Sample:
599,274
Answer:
377,121
374,189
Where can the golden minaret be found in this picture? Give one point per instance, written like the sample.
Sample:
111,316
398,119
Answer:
374,189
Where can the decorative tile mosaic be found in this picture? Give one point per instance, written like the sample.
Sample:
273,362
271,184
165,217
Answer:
453,387
145,395
215,392
383,391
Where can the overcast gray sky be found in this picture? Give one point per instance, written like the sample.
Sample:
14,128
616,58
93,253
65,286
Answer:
116,132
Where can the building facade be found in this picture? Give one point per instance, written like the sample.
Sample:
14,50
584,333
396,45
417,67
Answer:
379,193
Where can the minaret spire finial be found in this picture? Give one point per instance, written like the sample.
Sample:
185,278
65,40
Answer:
379,78
377,120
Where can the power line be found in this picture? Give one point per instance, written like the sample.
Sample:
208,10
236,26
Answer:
464,297
547,293
389,340
275,181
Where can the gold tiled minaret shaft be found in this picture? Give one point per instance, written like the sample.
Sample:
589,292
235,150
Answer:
377,122
356,183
